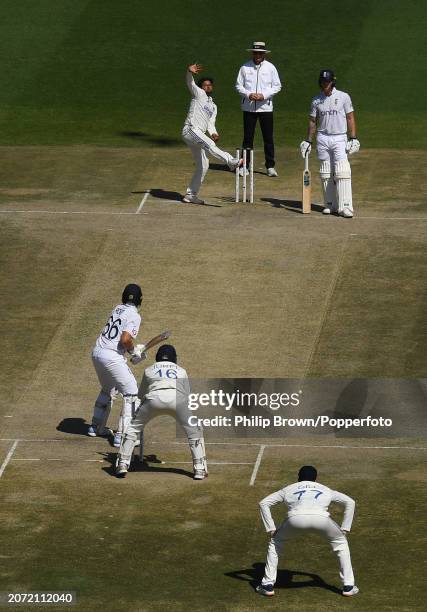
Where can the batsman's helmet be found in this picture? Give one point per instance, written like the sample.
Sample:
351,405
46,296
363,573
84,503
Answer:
132,294
166,352
327,75
307,472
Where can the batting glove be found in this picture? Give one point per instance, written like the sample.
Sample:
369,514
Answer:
305,148
137,354
352,146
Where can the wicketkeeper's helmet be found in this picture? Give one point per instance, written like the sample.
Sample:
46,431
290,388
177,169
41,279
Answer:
132,294
307,472
327,75
166,352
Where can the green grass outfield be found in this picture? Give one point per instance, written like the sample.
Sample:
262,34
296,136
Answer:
109,72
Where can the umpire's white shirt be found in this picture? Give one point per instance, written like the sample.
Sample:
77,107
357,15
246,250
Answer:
307,497
262,78
202,112
331,112
124,317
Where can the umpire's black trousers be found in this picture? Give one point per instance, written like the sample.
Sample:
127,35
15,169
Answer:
266,123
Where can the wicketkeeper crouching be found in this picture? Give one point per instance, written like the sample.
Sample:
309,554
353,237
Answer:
164,390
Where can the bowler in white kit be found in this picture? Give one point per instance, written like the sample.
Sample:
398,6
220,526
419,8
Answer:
307,502
108,357
200,119
164,390
332,114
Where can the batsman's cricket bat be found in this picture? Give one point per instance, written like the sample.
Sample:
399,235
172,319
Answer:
306,187
157,339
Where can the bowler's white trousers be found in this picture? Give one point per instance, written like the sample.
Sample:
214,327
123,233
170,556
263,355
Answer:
294,526
201,145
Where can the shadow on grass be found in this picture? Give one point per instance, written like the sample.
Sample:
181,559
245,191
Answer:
161,141
137,466
292,205
77,426
284,580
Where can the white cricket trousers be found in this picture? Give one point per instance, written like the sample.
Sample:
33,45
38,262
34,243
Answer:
113,371
294,526
157,403
201,145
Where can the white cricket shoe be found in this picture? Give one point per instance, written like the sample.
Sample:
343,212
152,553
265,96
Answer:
350,590
200,474
117,439
265,589
272,172
243,171
327,210
192,199
121,469
346,212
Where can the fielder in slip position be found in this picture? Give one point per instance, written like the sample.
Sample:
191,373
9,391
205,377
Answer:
164,390
332,114
108,357
201,119
307,503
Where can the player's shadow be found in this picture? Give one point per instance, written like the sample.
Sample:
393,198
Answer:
163,194
161,141
77,426
149,465
291,205
284,580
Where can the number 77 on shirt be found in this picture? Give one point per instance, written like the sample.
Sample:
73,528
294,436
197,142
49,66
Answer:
306,186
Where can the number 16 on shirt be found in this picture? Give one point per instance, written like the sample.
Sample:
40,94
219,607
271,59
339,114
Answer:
306,187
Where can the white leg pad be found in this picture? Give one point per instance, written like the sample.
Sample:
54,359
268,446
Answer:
130,406
328,185
101,410
343,179
198,453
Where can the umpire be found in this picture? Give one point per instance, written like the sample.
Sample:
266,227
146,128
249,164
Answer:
257,82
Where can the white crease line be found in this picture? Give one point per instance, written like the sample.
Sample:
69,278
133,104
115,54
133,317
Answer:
257,464
209,462
231,444
144,199
8,457
68,212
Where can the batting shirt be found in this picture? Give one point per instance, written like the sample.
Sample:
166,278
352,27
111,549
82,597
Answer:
164,375
331,112
203,110
307,497
125,317
262,78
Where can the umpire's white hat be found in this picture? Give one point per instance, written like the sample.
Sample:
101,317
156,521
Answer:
259,46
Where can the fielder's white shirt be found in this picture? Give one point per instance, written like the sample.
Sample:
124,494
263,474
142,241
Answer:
124,317
202,112
164,375
331,112
307,497
262,78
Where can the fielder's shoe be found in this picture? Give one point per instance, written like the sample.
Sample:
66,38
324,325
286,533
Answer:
327,210
346,212
121,469
243,171
117,439
265,589
350,590
192,199
272,172
91,431
200,474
